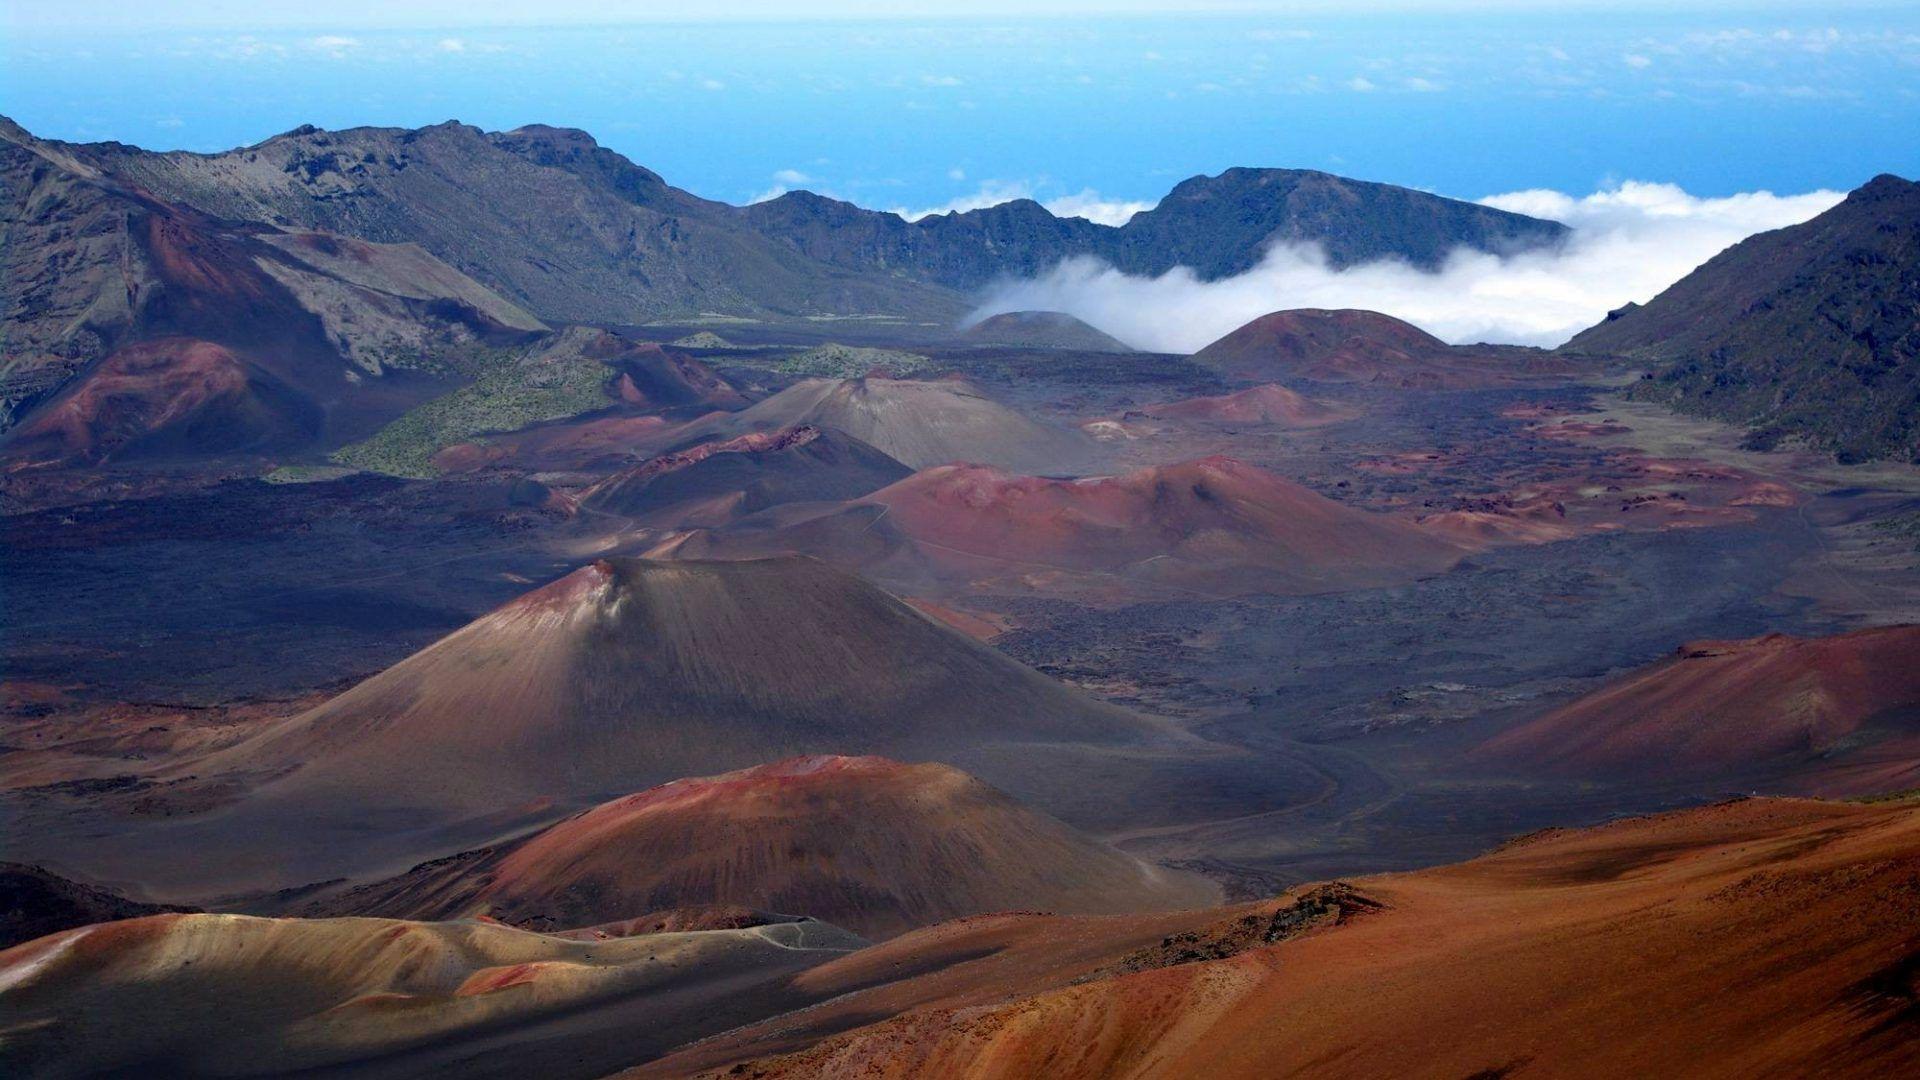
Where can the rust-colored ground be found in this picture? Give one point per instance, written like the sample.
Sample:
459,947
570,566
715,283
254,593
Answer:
1764,937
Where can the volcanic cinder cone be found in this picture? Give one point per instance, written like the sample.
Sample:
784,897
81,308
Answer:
867,843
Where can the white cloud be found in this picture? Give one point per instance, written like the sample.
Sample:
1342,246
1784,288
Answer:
1422,86
941,80
1085,203
791,176
1089,204
1636,60
956,173
1630,242
712,84
990,193
1360,84
170,122
452,45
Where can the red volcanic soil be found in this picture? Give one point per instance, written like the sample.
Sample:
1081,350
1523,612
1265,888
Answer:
1268,404
866,843
1500,521
1580,429
1618,491
1215,525
1719,708
649,376
1758,938
575,444
170,396
715,482
1368,347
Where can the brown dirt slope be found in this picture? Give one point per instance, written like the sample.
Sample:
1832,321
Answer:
1764,937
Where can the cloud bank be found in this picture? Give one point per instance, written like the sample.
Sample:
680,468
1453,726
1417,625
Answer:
1630,242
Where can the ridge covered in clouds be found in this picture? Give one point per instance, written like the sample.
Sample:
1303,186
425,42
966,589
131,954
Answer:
1630,242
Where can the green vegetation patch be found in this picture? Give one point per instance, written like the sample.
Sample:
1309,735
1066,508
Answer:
705,339
1903,527
307,474
852,361
506,398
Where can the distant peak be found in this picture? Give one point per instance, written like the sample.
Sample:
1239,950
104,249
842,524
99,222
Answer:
549,131
1886,185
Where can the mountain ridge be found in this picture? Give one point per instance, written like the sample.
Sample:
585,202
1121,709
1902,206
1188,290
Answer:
791,254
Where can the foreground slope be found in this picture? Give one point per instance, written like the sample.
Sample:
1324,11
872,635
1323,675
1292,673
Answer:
1846,708
866,843
1763,937
1809,332
1759,937
229,995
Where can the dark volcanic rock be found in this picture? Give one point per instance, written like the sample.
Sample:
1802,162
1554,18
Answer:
1222,225
35,903
554,221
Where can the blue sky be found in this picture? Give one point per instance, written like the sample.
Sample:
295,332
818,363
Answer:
927,110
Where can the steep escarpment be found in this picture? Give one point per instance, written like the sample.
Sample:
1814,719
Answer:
1809,333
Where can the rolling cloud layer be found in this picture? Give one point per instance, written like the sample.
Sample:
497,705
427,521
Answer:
1630,242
